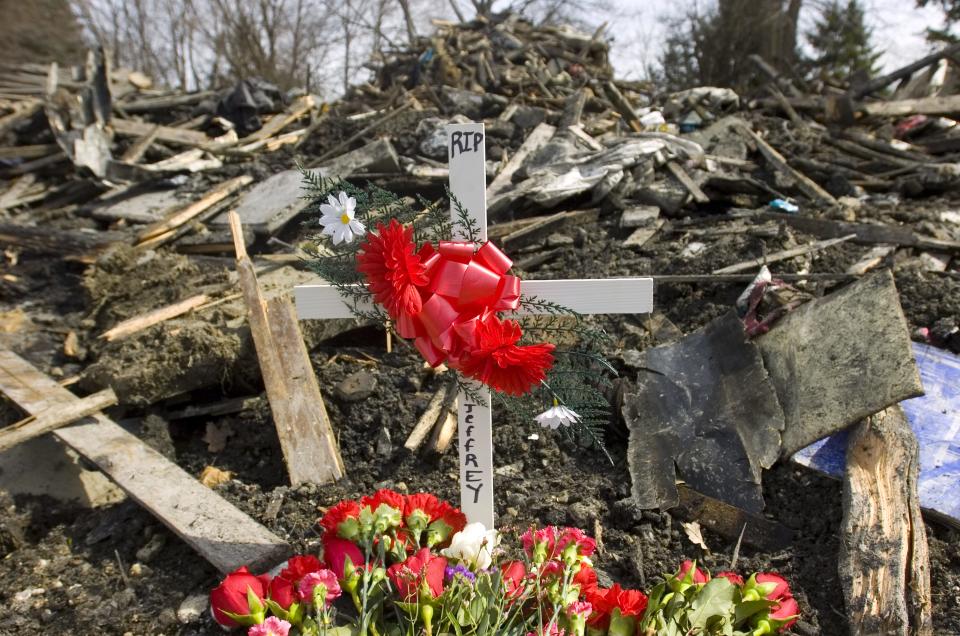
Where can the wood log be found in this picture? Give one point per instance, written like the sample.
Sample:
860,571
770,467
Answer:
55,417
216,529
884,566
303,426
443,433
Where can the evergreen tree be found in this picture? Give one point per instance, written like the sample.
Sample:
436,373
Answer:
841,41
951,15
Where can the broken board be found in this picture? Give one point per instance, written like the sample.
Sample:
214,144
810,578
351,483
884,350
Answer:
212,526
935,420
840,358
272,203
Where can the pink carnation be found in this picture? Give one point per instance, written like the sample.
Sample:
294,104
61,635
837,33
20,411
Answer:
580,608
273,626
326,578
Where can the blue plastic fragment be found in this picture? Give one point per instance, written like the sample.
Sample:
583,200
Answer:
784,205
935,420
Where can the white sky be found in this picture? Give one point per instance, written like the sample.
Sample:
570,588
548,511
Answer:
637,28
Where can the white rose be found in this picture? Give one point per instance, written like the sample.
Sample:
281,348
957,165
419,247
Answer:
473,546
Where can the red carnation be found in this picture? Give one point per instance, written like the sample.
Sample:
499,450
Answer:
392,269
300,566
602,603
338,514
383,496
630,602
426,503
586,578
282,588
497,361
785,609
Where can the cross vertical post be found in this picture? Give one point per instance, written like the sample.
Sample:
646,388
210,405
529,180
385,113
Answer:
468,183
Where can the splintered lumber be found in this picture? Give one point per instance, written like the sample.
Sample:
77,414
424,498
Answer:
784,255
903,72
439,404
444,432
182,216
728,521
55,417
677,171
139,323
543,226
775,159
336,150
52,241
278,122
217,530
622,105
497,197
166,134
949,105
303,426
884,564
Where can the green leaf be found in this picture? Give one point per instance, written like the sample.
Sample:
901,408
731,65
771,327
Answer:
746,609
715,599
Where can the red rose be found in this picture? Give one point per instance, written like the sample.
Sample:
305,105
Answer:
786,608
338,514
231,595
282,591
781,587
513,573
336,551
699,576
409,576
733,577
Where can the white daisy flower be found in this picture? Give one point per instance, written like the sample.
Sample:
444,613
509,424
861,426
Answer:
557,416
337,219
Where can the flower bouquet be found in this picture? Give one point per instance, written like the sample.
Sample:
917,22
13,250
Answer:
395,565
434,283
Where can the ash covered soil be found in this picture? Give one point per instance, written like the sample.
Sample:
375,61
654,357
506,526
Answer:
117,570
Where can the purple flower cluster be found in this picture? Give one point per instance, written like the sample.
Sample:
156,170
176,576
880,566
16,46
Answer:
451,573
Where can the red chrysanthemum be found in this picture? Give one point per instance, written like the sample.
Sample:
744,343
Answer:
393,271
383,496
500,363
337,514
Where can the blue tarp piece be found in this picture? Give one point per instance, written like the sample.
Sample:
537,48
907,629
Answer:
935,420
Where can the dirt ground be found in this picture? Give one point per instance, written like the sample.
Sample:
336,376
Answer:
117,570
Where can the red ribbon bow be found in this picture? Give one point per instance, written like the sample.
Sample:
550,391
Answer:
464,289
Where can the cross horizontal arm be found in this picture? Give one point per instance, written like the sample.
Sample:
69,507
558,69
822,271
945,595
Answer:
584,296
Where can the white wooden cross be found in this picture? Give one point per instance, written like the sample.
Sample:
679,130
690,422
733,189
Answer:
467,155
